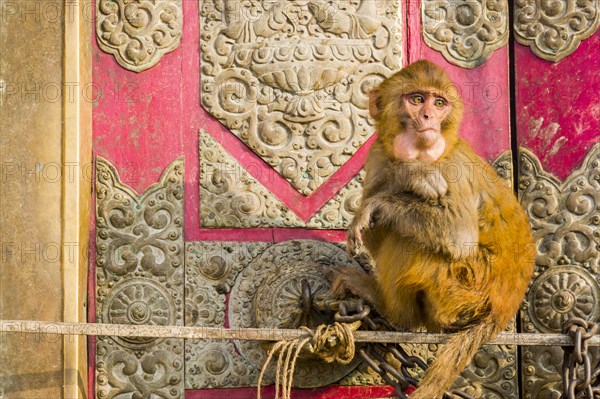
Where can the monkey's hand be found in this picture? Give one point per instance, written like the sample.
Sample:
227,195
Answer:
362,221
420,179
430,186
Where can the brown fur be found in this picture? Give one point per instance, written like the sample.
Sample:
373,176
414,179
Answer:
452,247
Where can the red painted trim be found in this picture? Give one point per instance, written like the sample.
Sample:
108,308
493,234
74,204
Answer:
413,31
563,99
333,392
304,207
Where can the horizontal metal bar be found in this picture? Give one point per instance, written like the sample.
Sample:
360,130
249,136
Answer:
41,328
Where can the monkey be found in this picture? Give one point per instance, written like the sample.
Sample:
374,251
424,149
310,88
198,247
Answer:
452,248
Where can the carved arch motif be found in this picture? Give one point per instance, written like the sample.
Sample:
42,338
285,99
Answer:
465,32
290,78
138,33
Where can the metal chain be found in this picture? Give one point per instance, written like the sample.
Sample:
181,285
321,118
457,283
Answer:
577,378
374,354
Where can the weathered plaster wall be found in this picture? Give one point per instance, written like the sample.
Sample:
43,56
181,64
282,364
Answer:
31,51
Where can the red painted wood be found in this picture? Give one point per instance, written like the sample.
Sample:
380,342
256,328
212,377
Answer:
565,94
142,122
484,89
334,392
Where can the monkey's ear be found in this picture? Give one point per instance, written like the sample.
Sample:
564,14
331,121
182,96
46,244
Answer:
373,103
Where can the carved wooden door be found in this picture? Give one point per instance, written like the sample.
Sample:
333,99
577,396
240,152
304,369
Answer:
230,138
558,129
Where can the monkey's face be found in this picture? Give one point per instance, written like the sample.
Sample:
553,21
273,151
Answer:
418,112
421,115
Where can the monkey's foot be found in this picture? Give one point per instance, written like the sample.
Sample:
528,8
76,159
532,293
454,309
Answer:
355,281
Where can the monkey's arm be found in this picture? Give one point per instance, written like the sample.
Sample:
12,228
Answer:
418,178
451,228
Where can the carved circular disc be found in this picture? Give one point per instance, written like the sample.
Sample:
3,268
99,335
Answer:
268,294
138,301
561,293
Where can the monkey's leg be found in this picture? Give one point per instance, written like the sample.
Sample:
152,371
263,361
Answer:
457,304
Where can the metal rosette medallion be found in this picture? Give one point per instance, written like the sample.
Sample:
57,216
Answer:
139,301
560,293
269,294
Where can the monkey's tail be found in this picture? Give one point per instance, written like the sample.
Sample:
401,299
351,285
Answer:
452,358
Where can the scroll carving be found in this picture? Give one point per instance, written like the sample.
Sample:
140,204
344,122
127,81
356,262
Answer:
139,280
138,33
554,29
340,210
465,32
290,78
230,197
565,218
211,270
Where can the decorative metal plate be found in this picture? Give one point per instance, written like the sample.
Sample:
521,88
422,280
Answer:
290,78
138,33
554,29
139,280
263,282
231,198
268,294
466,32
211,270
565,218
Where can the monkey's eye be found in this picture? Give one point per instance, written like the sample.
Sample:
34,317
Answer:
439,102
417,99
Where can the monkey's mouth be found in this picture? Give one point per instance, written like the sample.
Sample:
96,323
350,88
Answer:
427,137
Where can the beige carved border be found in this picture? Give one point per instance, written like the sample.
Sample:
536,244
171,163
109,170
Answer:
76,204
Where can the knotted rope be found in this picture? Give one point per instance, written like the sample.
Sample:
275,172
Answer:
334,342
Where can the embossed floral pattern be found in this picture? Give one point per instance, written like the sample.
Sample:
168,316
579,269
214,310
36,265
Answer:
264,283
231,197
268,294
565,218
290,78
139,280
561,293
